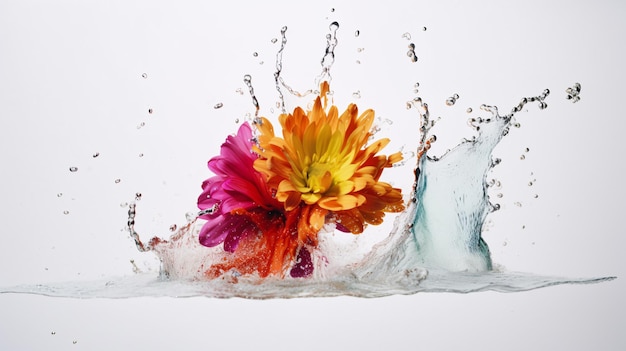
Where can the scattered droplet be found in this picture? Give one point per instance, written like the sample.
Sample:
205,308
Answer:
138,196
407,36
469,110
96,154
218,105
74,342
274,40
59,194
255,54
518,204
530,183
500,195
141,155
66,212
150,111
424,29
536,196
53,333
573,92
173,228
144,75
117,180
522,157
452,100
141,125
411,53
357,33
360,49
124,204
332,9
358,62
236,120
73,169
356,94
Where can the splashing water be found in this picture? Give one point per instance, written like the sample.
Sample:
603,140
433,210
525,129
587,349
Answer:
435,244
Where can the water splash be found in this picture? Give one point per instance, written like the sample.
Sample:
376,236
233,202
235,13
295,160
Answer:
435,244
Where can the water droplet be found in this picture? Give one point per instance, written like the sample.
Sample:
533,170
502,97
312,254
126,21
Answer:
469,110
518,204
141,125
59,194
53,333
424,29
236,120
124,204
150,111
138,196
66,212
356,94
218,105
527,149
536,196
190,216
74,342
360,49
144,75
522,157
274,40
255,54
452,100
358,62
73,169
96,154
500,195
407,36
357,33
530,183
411,53
141,155
573,92
173,228
117,181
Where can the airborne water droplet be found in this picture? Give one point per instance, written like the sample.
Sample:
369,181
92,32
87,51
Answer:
150,111
274,40
73,169
144,75
66,212
59,194
117,181
255,54
96,154
357,33
424,29
407,36
218,105
173,228
356,94
469,110
138,196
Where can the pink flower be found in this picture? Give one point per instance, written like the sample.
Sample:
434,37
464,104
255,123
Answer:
235,186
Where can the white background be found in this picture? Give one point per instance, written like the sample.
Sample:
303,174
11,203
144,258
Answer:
71,86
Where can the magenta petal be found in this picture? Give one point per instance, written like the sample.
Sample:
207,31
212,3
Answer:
304,264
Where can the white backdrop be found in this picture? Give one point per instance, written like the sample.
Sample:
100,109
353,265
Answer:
71,86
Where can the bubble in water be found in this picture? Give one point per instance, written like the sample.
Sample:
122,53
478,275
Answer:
73,169
96,154
452,100
407,36
144,75
357,33
138,196
218,105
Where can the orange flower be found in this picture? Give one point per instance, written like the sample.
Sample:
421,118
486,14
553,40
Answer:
323,163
